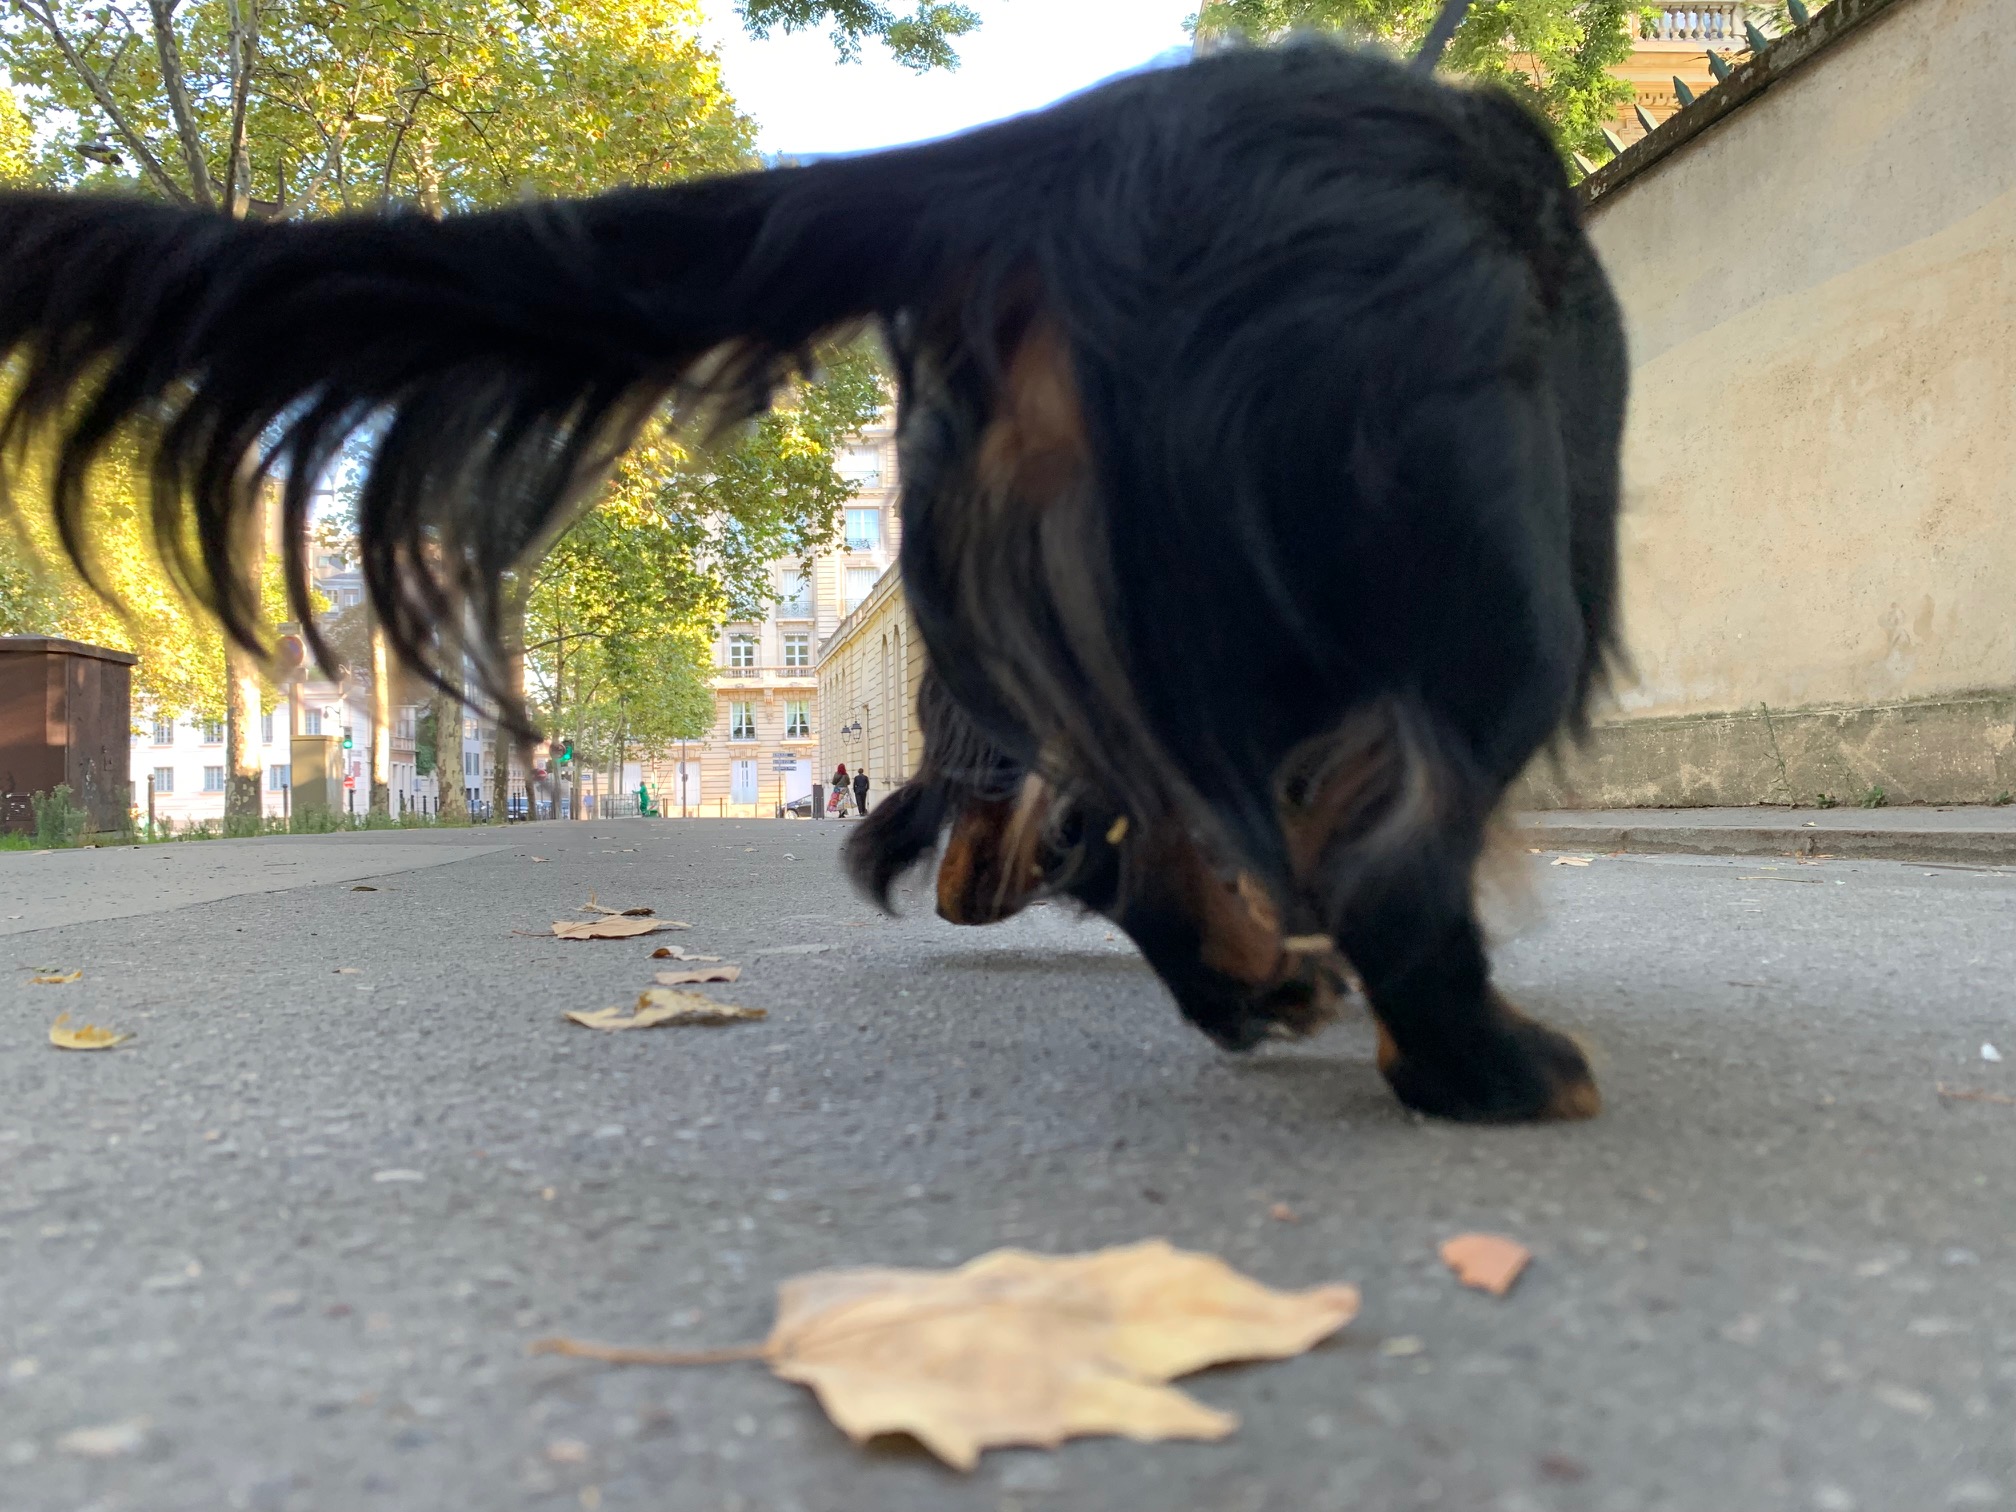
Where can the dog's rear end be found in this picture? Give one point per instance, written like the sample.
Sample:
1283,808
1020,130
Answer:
1260,422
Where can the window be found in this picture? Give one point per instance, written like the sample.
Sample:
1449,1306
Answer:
213,732
213,779
741,722
164,732
279,778
164,779
860,583
266,728
349,598
408,726
311,722
797,600
744,790
797,650
742,653
472,764
864,529
861,466
797,719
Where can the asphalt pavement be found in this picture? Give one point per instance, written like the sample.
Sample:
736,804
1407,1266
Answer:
286,1248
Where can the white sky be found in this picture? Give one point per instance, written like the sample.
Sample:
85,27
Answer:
1025,54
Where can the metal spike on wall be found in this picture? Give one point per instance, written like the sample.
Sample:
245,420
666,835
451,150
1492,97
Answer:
1757,40
1718,67
1796,9
1583,163
1681,92
1616,142
1645,118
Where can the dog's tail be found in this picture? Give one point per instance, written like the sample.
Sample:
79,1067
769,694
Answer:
500,361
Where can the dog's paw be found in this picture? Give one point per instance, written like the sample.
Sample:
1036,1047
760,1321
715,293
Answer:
1516,1071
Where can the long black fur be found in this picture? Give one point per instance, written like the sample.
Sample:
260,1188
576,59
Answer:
1347,378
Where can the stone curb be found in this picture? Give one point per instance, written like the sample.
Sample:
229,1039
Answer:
1952,848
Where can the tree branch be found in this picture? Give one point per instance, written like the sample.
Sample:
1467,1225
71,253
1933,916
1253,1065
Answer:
177,86
244,38
149,163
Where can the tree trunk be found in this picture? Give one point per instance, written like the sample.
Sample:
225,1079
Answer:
507,745
448,757
241,743
381,724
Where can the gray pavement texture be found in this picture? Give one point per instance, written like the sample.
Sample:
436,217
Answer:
290,1244
1978,834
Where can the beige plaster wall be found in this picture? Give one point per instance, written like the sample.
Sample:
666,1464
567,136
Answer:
1820,292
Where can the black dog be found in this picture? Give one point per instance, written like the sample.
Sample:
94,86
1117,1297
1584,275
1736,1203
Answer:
1259,416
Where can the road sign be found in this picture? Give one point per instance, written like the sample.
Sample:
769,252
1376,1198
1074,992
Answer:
779,762
350,784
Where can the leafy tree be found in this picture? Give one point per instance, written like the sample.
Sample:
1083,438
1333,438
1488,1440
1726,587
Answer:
618,615
920,40
1554,54
181,670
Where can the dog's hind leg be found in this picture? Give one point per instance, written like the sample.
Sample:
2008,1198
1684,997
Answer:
1387,822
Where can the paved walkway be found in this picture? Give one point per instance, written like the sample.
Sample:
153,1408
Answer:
1976,835
284,1251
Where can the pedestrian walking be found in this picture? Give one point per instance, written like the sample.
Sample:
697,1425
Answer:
836,798
861,792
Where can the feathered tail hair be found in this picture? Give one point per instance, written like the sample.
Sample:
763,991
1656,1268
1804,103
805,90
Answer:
503,361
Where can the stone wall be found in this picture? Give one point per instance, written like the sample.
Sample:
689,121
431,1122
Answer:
1817,264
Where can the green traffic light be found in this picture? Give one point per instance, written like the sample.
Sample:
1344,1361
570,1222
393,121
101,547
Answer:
348,744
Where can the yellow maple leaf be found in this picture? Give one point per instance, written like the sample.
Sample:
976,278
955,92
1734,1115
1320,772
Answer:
1018,1348
611,927
58,978
659,1006
84,1036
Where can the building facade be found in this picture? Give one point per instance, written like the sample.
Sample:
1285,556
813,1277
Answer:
869,669
1675,44
178,761
768,742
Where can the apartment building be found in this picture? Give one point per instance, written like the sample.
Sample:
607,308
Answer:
764,749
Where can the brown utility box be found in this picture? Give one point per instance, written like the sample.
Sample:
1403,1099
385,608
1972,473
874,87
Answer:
66,716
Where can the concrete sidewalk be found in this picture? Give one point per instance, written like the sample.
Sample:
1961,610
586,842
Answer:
1967,836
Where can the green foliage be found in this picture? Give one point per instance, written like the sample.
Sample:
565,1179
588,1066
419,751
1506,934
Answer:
1554,54
446,103
57,822
423,742
620,615
920,40
182,670
1874,798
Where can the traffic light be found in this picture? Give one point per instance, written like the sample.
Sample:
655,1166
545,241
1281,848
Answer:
348,743
566,751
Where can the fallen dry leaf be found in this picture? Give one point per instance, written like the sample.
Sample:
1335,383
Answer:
1282,1213
611,927
1016,1348
349,971
83,1037
699,974
362,888
594,906
1489,1262
1973,1094
1570,861
58,978
679,953
658,1006
538,858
